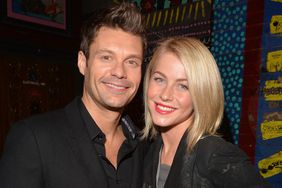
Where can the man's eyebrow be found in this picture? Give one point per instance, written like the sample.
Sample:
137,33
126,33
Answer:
134,56
103,51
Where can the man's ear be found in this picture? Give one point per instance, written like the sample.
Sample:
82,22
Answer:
81,62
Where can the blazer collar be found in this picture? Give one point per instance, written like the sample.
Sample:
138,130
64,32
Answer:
174,177
82,147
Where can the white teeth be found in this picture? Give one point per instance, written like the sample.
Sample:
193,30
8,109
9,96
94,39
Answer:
163,108
115,86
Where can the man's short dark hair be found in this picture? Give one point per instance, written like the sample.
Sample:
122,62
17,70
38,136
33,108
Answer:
125,16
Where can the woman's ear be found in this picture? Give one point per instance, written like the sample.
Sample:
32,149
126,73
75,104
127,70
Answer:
81,62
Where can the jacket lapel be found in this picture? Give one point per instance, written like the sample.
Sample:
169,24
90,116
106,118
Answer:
83,148
156,160
174,176
137,168
151,164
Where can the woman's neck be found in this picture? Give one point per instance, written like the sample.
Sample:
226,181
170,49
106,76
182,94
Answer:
170,145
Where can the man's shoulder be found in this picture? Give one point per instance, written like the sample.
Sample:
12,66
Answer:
46,117
50,118
41,122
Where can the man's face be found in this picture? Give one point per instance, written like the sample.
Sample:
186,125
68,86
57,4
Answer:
112,72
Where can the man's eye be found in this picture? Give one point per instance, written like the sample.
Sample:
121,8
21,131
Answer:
133,62
106,58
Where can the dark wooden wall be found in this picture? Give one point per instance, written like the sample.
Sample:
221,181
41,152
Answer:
37,68
254,28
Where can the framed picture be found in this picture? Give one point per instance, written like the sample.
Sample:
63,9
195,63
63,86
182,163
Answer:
47,15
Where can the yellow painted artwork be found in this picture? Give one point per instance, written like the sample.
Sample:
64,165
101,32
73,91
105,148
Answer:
271,165
274,61
271,129
276,24
272,90
279,1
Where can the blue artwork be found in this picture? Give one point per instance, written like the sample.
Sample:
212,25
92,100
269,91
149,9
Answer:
269,127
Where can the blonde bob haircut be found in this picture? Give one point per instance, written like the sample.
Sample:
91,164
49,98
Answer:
204,82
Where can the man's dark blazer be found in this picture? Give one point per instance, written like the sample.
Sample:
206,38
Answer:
54,150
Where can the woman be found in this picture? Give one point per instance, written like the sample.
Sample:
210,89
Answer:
184,102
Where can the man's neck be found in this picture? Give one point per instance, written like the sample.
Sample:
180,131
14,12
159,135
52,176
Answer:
109,123
107,120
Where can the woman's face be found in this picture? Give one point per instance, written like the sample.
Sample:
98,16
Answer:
169,100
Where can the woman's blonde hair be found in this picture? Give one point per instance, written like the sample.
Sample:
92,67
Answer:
204,82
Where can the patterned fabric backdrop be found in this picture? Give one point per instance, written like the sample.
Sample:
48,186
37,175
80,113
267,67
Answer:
191,19
228,43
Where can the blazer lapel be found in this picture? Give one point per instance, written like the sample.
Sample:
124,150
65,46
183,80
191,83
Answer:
82,147
151,164
137,168
174,177
156,160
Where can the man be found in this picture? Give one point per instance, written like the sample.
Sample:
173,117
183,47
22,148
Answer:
90,143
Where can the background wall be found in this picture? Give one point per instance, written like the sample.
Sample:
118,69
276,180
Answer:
242,41
38,66
269,126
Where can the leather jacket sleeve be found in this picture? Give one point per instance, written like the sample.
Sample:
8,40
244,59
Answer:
226,165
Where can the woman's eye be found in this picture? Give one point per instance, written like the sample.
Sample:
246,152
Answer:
158,79
183,86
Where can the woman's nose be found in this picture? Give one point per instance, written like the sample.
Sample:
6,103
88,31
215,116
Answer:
167,94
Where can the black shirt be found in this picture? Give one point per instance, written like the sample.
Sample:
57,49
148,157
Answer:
120,177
